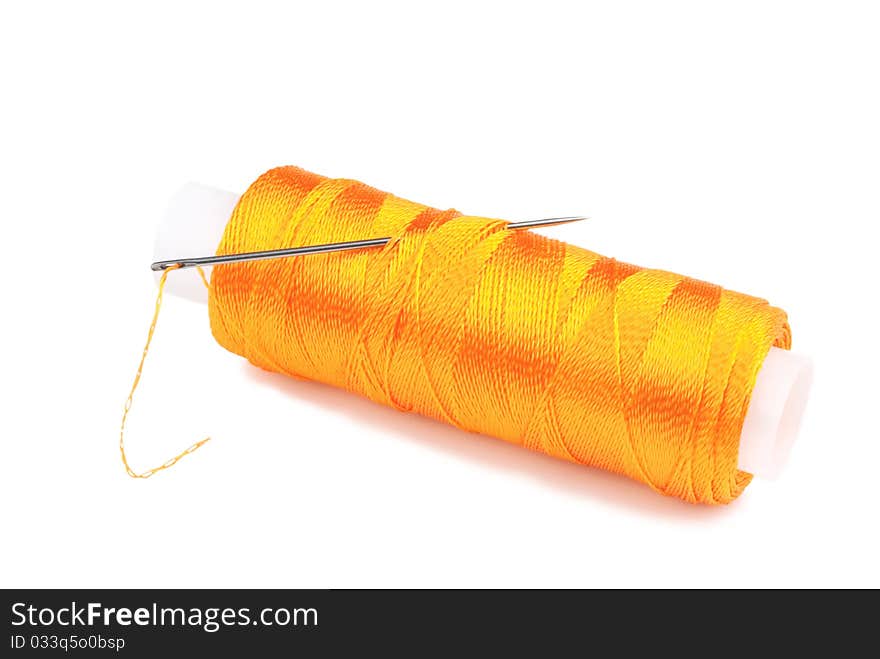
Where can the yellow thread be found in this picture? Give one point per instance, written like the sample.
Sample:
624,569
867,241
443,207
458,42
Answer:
552,347
137,378
507,333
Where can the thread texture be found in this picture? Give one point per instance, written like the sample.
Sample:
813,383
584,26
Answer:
641,372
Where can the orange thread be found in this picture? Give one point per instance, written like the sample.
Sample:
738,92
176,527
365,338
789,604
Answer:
137,378
641,372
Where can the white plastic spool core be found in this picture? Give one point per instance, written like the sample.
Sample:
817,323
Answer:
194,224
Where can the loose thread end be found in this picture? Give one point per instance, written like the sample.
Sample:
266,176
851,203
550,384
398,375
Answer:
137,378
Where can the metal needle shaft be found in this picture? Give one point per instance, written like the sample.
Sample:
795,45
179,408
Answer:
329,247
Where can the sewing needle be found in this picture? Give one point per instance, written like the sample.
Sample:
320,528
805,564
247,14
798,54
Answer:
326,248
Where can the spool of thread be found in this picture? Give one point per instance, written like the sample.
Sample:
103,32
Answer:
198,220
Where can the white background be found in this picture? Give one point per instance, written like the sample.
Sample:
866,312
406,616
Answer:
735,142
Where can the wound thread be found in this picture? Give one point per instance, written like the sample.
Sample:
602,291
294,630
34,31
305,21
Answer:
507,333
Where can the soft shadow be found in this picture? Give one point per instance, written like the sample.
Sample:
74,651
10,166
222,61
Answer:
573,479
